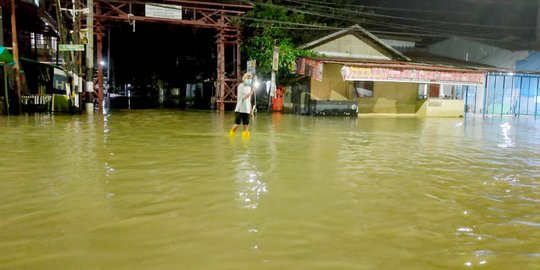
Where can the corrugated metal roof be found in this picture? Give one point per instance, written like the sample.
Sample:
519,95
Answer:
531,63
429,58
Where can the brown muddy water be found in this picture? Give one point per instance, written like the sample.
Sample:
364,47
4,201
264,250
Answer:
158,189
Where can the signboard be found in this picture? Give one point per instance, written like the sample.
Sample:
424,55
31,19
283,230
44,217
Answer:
163,11
83,36
60,81
273,85
275,59
318,71
310,68
252,66
356,73
70,47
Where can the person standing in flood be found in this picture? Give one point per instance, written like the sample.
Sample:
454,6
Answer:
242,112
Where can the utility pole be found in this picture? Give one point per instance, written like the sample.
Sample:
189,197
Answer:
63,35
75,36
90,58
1,28
99,57
109,57
16,55
77,14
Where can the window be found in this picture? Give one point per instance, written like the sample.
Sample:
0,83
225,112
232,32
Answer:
41,41
363,89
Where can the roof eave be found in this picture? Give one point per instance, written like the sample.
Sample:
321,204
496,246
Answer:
354,31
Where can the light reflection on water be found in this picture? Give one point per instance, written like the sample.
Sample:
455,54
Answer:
168,190
249,180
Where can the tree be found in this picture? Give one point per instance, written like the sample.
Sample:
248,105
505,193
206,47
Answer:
288,24
269,25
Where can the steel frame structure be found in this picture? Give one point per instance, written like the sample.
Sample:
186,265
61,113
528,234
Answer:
218,16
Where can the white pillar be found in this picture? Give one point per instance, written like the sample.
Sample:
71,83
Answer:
89,106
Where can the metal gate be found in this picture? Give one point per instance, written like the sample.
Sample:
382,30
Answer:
504,94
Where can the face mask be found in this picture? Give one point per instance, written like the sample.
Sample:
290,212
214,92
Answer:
248,81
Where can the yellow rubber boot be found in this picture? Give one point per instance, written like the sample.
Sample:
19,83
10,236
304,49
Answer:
232,133
245,134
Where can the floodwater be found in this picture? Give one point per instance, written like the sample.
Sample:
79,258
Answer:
158,189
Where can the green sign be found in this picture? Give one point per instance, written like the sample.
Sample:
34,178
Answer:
70,47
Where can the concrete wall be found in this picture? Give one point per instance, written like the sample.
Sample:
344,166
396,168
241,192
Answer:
332,81
349,46
390,97
434,107
421,107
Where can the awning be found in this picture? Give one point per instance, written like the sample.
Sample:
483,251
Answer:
394,71
5,55
416,74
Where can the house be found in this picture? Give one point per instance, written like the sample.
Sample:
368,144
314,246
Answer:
359,70
37,49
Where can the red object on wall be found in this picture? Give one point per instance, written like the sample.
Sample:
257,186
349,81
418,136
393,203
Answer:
434,90
277,102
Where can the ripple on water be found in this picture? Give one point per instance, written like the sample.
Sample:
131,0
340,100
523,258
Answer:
170,188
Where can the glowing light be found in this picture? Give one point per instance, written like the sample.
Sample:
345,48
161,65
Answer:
505,130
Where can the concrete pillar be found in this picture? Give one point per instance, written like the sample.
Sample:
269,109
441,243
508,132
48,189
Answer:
221,71
89,105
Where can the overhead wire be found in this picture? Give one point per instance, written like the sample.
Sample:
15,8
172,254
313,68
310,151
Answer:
421,31
414,19
502,2
432,29
298,26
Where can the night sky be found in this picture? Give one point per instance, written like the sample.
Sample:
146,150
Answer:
510,24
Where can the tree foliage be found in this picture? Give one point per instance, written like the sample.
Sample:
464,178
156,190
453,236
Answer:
265,31
286,24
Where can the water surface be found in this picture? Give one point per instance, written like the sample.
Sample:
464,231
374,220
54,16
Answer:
158,189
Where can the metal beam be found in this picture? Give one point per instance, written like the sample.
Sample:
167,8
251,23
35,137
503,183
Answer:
15,47
99,58
163,20
197,14
211,4
214,5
